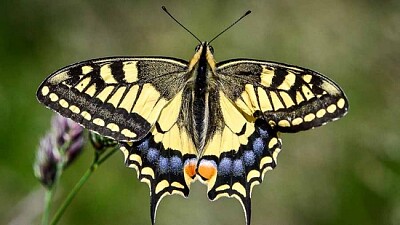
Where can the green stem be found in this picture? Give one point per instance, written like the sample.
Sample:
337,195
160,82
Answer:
96,162
47,205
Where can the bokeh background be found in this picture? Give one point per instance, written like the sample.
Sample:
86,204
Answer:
347,172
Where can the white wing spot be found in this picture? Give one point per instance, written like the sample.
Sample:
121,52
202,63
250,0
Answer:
53,97
340,103
128,133
74,109
297,121
86,115
284,123
321,113
113,127
99,122
63,103
45,90
309,117
331,108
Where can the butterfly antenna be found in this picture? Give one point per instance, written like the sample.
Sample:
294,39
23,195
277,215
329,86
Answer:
244,15
169,14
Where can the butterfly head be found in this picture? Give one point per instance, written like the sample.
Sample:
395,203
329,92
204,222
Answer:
204,45
203,51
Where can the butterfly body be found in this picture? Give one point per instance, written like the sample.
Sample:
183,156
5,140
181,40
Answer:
179,121
202,73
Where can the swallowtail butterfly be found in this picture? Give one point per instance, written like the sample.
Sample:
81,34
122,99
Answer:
178,121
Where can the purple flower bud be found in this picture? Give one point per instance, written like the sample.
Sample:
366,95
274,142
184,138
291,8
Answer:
47,159
74,150
69,136
59,126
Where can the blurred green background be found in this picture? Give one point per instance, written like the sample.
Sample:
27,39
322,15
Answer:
347,172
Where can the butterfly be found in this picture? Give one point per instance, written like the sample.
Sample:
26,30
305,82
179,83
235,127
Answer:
178,121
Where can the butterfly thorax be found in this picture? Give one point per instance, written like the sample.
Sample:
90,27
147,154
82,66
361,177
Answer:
202,66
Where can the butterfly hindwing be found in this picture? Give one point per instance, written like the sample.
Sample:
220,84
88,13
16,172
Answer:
160,168
239,170
117,97
290,98
166,158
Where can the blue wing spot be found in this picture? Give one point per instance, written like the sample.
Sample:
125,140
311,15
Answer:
263,133
238,168
249,158
152,155
225,166
144,146
258,146
176,164
163,165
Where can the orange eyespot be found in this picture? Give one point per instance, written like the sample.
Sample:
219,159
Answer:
207,169
190,168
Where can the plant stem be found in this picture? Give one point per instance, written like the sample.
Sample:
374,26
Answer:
47,205
96,162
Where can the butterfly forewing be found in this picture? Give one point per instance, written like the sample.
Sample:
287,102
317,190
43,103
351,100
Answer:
116,97
289,98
